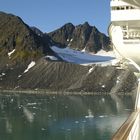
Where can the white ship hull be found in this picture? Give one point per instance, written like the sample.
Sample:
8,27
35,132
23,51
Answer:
129,48
124,29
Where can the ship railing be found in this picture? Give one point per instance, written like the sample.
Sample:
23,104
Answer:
130,130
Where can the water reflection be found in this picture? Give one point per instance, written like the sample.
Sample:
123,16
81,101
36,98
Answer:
29,115
62,117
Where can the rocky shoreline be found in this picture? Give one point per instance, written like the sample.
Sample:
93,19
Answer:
45,92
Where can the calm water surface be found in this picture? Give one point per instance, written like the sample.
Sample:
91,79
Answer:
31,117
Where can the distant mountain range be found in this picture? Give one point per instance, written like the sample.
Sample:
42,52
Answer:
25,54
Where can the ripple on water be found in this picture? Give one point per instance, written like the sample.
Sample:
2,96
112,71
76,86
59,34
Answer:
76,122
103,116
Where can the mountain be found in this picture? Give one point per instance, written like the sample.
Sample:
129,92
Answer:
31,59
81,37
19,45
67,77
18,37
37,31
61,76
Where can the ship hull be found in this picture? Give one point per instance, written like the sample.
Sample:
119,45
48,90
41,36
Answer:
127,48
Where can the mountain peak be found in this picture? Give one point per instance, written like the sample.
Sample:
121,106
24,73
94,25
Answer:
80,37
68,24
86,24
37,31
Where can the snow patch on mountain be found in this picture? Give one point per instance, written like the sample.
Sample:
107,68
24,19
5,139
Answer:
90,70
2,74
84,50
104,53
10,53
51,57
30,66
79,57
71,40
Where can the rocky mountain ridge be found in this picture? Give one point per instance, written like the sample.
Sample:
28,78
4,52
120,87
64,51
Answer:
81,37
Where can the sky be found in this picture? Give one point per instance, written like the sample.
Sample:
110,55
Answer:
48,15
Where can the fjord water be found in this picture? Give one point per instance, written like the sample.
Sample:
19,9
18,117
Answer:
34,117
